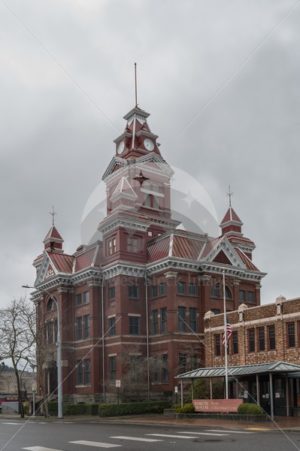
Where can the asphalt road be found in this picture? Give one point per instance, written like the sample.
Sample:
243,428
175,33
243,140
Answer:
68,436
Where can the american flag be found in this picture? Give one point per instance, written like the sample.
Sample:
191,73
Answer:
228,333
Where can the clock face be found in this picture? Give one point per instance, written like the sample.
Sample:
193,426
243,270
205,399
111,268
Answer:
149,144
121,147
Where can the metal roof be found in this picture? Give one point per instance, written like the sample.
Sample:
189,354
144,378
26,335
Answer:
244,370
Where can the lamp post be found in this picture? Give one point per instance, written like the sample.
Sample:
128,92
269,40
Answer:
58,355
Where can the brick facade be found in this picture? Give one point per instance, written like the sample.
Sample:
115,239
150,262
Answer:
273,329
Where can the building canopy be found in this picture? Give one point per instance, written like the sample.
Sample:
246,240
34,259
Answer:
244,370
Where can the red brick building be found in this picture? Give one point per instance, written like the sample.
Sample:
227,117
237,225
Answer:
260,335
133,303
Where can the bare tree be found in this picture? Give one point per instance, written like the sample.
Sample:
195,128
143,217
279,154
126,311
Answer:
18,338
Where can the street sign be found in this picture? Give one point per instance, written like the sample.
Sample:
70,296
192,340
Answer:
118,383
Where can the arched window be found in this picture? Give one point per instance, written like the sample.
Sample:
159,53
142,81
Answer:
50,305
216,291
228,293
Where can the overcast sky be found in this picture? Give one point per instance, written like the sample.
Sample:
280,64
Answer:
220,79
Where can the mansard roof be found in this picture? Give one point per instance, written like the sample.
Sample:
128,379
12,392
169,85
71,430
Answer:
201,248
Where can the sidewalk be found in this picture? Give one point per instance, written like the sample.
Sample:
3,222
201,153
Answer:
280,423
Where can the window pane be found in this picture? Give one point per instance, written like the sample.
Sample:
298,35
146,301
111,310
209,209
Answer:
111,292
193,319
133,292
217,345
154,322
181,319
251,340
261,338
134,325
235,342
272,339
291,335
162,289
192,289
163,320
111,326
180,287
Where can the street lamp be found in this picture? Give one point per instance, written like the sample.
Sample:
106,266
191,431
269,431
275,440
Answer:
58,356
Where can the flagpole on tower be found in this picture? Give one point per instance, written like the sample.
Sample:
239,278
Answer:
225,338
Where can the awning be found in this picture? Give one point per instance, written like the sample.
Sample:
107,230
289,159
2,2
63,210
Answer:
243,370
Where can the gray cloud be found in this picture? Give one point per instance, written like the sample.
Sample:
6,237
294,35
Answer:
66,80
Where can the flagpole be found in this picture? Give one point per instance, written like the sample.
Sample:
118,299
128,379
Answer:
225,337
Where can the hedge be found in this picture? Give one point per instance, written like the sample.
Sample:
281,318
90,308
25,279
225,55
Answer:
132,408
74,409
250,409
186,408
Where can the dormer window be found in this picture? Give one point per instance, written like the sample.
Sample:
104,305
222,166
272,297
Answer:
111,246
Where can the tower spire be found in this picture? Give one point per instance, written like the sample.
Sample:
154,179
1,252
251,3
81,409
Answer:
229,194
135,85
53,213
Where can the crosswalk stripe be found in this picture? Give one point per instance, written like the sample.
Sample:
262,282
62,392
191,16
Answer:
41,448
171,436
12,424
95,444
203,433
231,431
136,439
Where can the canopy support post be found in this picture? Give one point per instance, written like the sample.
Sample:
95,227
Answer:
181,393
271,396
257,390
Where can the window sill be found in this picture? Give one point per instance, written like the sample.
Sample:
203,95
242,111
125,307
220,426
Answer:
82,385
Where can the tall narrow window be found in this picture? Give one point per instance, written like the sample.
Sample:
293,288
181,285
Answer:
193,319
271,337
111,246
192,289
86,326
133,291
83,372
235,342
111,292
162,289
216,291
112,368
228,294
291,338
78,328
181,319
261,338
217,345
112,326
251,340
180,288
163,320
134,325
154,322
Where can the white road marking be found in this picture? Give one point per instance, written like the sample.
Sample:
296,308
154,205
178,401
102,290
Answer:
203,433
231,431
12,424
136,439
171,436
95,444
41,448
